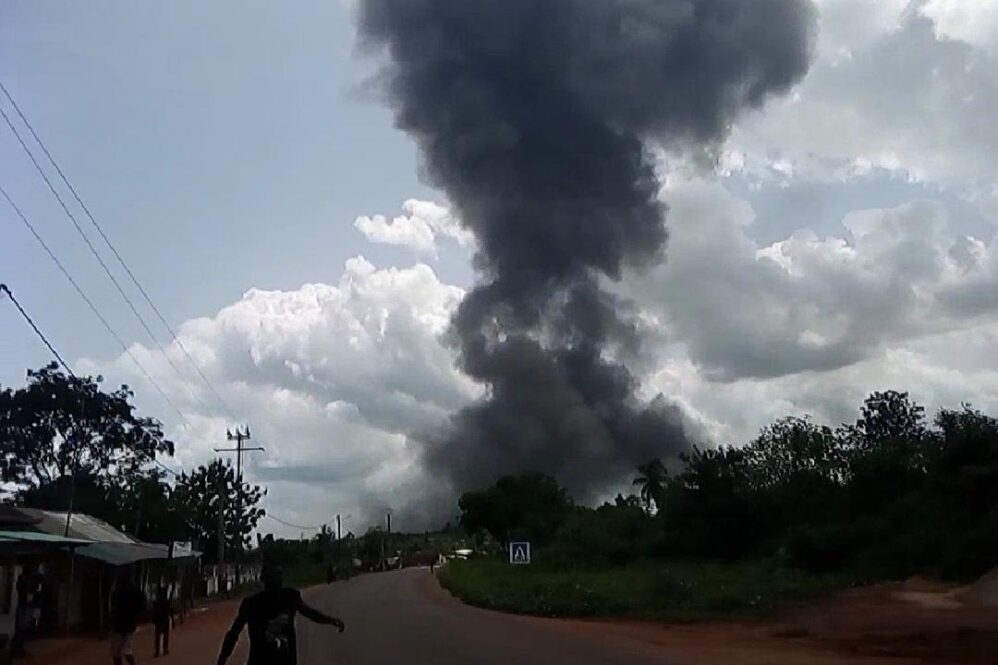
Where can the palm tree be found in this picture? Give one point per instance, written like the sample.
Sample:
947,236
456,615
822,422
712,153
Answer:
652,480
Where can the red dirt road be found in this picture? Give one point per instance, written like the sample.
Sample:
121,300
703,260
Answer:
404,616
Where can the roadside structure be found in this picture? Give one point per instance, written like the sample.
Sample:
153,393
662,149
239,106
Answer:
77,558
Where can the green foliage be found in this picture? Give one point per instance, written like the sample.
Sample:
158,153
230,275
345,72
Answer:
58,425
672,590
613,534
888,496
63,440
212,490
530,506
709,506
885,497
652,481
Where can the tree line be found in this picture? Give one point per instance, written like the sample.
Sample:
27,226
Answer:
68,444
889,495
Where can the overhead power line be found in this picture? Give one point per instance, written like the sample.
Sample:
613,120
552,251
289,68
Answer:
4,289
117,255
293,526
165,467
92,306
96,255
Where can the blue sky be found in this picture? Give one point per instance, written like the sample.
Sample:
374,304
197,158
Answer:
222,146
843,242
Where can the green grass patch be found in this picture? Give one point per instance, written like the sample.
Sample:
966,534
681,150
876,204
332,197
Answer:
304,574
668,590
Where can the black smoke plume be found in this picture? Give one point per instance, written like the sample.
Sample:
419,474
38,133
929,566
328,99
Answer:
534,117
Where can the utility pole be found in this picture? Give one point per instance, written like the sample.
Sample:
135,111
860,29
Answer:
238,437
221,520
384,538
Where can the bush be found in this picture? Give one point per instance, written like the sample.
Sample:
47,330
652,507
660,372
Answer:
613,534
672,590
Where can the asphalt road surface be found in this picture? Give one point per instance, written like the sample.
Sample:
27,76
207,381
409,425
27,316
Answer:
403,617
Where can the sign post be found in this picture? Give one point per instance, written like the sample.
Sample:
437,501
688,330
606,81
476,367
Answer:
519,553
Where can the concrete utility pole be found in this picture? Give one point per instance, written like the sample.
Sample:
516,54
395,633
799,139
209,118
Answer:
238,437
384,538
221,521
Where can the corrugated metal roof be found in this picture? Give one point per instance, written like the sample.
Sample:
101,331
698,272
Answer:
13,515
120,554
36,537
81,526
95,538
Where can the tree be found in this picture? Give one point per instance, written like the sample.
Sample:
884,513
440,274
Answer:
652,480
212,491
370,547
67,444
709,507
963,481
886,449
61,426
792,448
146,503
615,533
528,506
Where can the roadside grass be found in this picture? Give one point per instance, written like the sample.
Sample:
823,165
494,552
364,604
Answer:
304,574
664,590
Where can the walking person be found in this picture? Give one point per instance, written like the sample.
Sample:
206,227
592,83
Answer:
163,620
270,620
127,603
27,589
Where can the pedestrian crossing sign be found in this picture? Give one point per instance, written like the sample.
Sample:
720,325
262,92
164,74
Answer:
519,553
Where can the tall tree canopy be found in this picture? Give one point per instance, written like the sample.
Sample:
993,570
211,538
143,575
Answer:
527,506
59,425
652,481
211,492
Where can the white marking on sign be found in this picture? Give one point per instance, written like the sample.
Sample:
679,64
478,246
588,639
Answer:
519,553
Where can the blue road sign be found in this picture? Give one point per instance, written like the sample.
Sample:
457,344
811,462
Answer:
519,553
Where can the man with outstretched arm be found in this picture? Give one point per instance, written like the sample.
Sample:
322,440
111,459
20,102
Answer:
270,617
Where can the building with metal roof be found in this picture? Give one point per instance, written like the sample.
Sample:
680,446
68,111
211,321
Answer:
79,564
81,526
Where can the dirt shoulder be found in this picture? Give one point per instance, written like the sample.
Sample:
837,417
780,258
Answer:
196,640
913,622
896,624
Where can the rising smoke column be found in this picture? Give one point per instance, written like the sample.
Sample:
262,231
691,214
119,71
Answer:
534,116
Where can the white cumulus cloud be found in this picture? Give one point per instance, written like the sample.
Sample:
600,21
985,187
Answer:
419,229
905,87
972,21
335,379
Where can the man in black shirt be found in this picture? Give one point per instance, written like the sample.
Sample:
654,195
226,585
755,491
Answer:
270,617
27,589
127,603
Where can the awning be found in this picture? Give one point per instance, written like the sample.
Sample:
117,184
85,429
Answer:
38,538
122,554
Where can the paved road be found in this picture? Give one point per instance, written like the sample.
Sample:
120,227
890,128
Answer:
403,617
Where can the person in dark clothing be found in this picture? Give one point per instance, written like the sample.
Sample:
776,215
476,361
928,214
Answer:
270,619
27,588
127,603
163,620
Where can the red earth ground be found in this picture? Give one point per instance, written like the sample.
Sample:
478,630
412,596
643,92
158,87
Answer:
897,624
